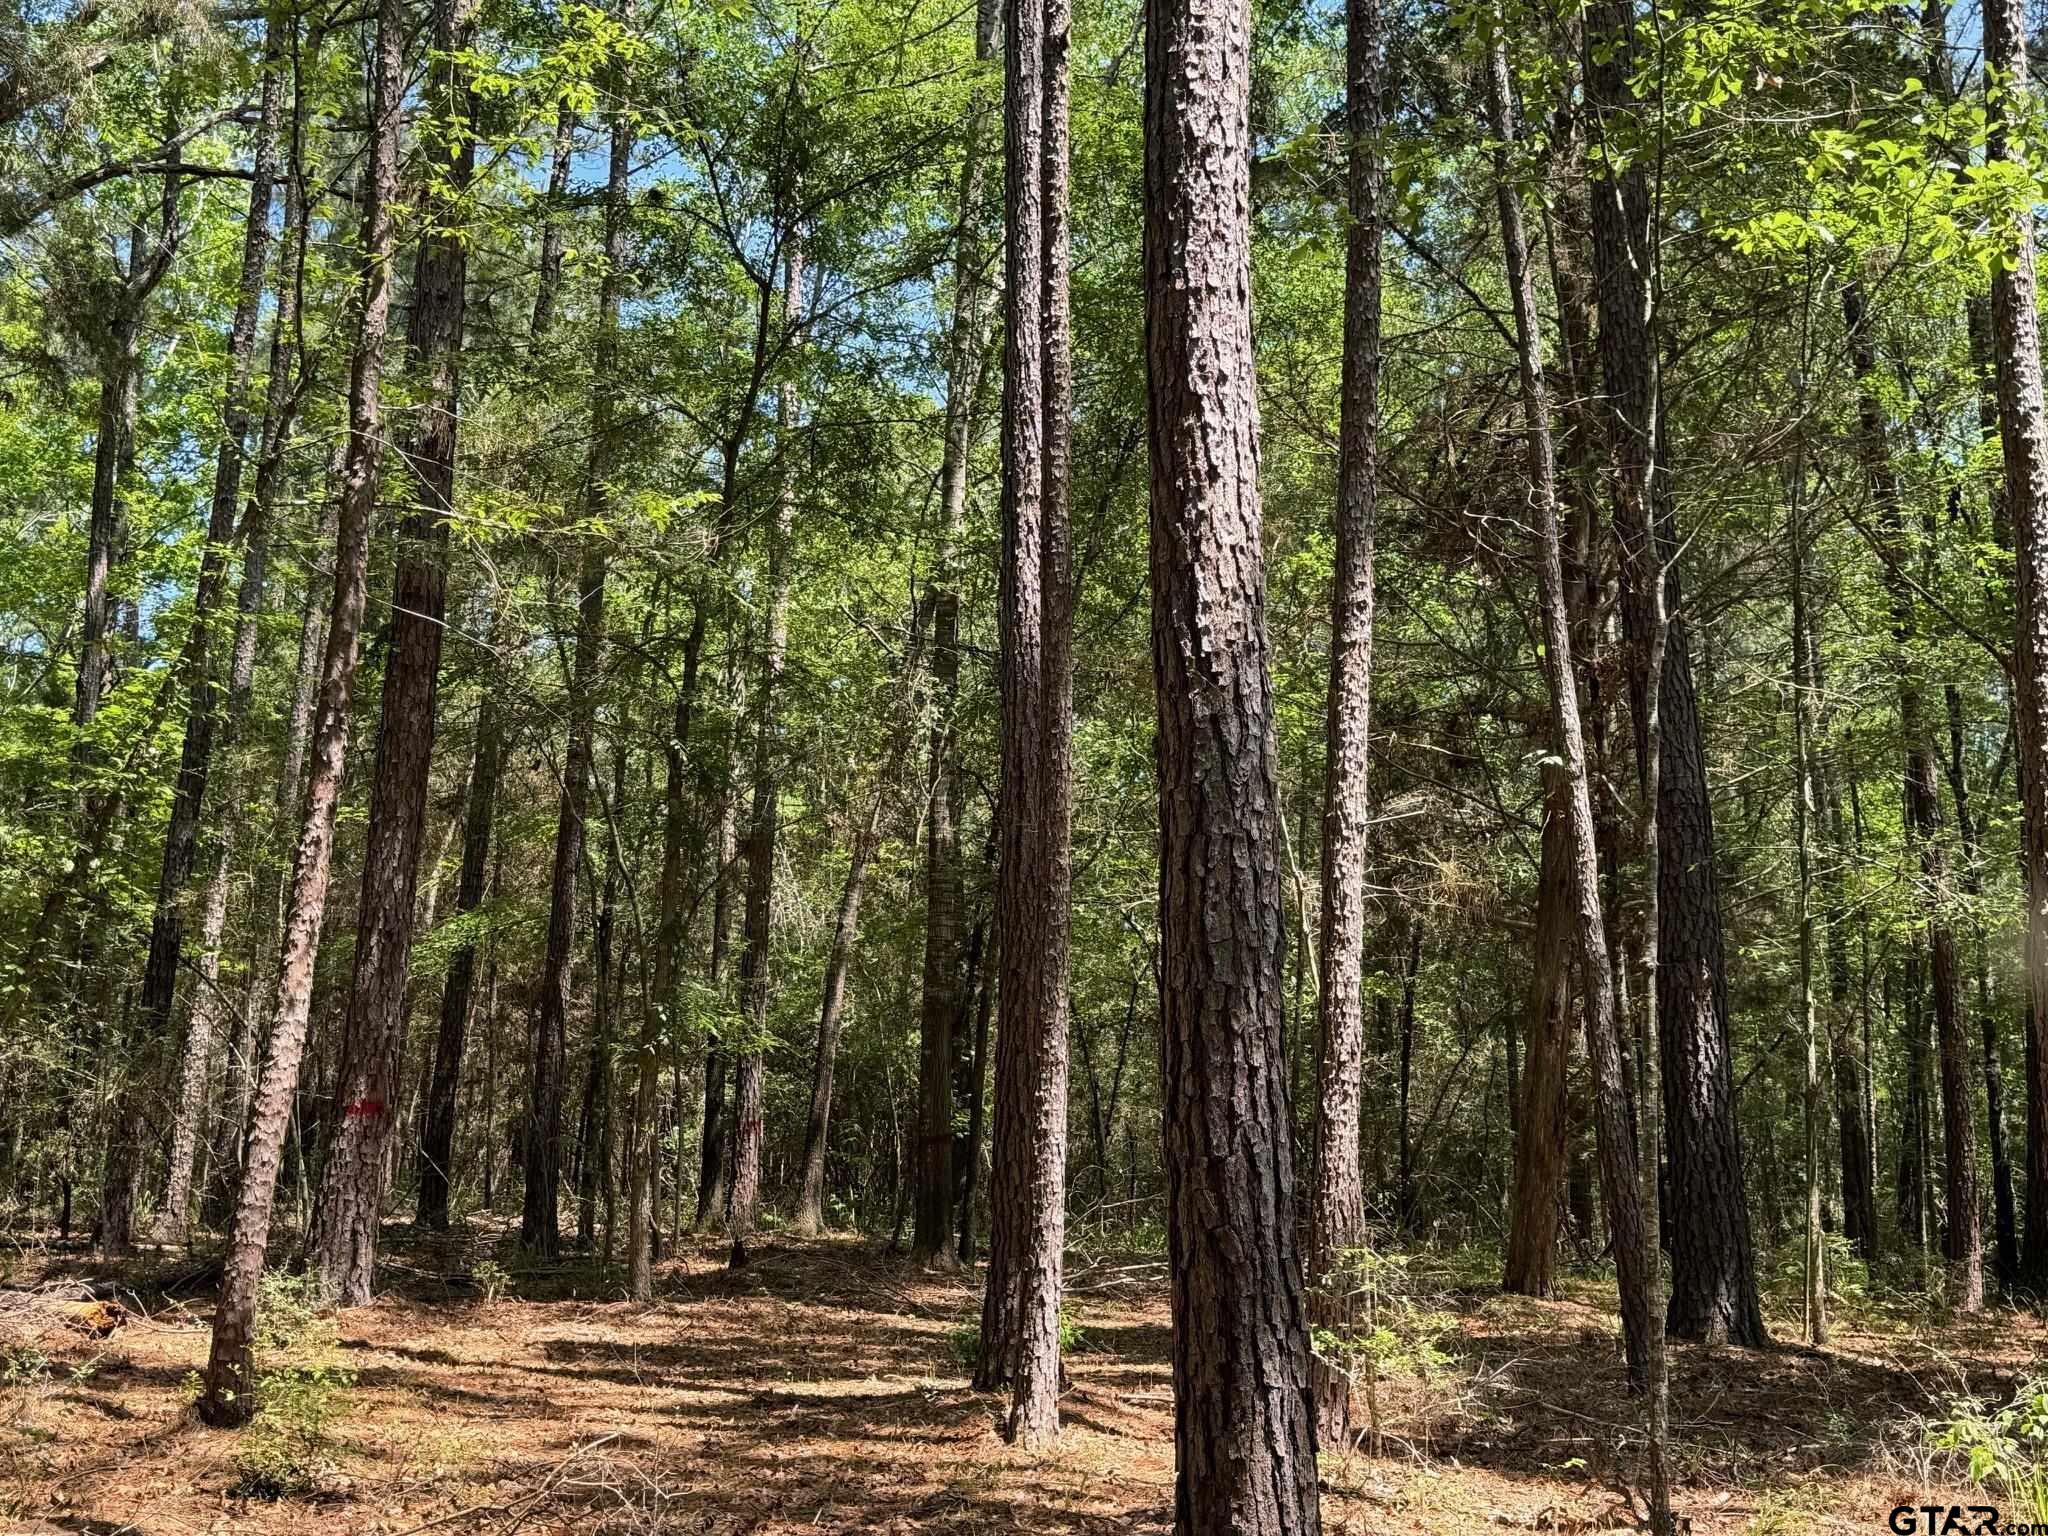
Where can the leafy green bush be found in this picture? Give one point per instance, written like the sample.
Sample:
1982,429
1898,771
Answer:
300,1386
1392,1330
2006,1448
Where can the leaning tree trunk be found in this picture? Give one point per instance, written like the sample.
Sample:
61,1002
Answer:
2023,432
1244,1430
1713,1268
1337,1203
1620,1170
342,1246
229,1393
764,818
539,1226
181,837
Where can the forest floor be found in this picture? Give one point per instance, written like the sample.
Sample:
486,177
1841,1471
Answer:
821,1390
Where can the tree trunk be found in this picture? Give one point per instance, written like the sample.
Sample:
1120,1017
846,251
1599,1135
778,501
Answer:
342,1246
1621,1177
932,1230
1337,1203
181,838
229,1393
2023,431
437,1137
985,953
1535,1204
1020,1314
593,1130
1964,1242
1244,1431
762,823
1805,803
539,1227
1713,1269
2005,1217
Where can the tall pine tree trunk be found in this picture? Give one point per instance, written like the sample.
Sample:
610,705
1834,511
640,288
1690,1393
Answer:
1244,1431
2023,432
1020,1314
229,1392
342,1247
1713,1267
1337,1203
1620,1172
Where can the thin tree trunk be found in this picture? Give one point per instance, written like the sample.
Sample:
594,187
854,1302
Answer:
755,983
229,1393
1621,1177
437,1137
1963,1240
342,1246
1337,1202
181,839
539,1227
986,957
1244,1429
1020,1314
1805,800
932,1230
593,1131
1713,1271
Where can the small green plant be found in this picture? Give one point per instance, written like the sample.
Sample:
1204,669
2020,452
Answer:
1389,1329
24,1367
1843,1273
299,1389
2006,1448
492,1278
964,1342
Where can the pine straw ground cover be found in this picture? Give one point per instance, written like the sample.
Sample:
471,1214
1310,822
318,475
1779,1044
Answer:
821,1390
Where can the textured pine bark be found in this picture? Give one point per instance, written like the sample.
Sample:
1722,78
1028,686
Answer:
1713,1266
1020,1317
355,1171
1535,1201
227,1397
1337,1204
1244,1432
2023,432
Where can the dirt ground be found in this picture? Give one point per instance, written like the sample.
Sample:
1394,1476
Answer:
819,1390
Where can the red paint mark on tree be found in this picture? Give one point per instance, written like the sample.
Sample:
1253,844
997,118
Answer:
364,1108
